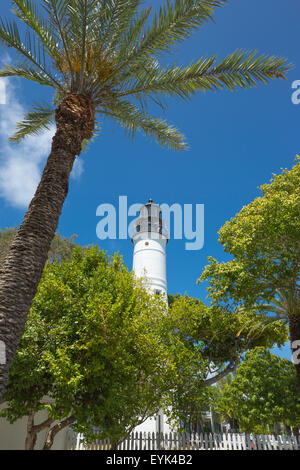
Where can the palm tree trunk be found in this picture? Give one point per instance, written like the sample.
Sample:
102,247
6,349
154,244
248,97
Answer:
22,269
294,326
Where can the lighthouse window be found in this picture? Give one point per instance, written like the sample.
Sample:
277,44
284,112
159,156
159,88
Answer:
138,228
157,292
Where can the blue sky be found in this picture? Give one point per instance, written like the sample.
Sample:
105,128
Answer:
237,141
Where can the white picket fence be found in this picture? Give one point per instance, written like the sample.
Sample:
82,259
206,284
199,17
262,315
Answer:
184,441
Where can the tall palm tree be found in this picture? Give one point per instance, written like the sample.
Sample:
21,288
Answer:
101,59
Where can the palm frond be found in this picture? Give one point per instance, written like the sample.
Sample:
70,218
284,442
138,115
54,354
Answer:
171,81
285,304
106,35
256,327
40,118
56,10
278,310
10,36
83,18
260,327
27,72
58,18
116,19
85,21
173,24
28,13
240,69
246,69
82,6
132,119
133,34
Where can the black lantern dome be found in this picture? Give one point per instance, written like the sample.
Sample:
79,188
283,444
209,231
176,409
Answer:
150,221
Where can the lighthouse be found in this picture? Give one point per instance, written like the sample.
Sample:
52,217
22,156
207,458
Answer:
150,239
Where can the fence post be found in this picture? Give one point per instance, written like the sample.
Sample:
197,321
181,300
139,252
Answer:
295,443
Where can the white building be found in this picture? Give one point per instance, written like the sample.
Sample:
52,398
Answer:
12,436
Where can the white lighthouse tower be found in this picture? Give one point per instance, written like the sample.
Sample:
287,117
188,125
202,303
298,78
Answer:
149,262
150,239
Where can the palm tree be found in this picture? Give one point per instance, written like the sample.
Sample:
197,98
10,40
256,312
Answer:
101,59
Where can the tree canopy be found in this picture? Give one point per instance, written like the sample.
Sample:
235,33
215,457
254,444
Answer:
100,353
262,394
92,346
213,340
264,240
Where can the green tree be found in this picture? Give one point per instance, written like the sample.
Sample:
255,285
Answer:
210,342
101,59
264,240
92,353
99,352
262,394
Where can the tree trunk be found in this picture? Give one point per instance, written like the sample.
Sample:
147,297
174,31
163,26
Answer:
31,434
33,430
22,269
30,440
288,429
294,326
55,429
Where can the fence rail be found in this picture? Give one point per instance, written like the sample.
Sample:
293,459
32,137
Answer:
184,441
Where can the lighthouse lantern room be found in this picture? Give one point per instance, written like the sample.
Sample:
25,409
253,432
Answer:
150,239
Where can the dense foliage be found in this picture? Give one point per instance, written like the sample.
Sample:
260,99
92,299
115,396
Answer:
92,346
262,394
213,340
264,241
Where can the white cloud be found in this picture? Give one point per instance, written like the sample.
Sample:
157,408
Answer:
21,164
77,169
2,92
